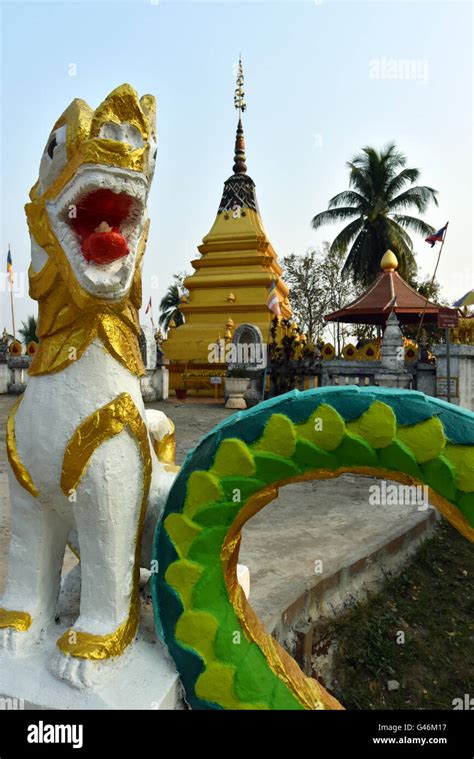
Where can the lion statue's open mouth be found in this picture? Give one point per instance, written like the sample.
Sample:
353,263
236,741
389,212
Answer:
88,208
99,218
88,224
105,223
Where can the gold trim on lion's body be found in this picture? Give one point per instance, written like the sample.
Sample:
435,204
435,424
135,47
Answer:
165,448
100,426
21,473
19,620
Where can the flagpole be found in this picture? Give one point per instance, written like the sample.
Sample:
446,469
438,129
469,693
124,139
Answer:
273,315
10,280
13,312
266,357
431,284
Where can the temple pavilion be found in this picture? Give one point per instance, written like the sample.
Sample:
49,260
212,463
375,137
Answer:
229,287
388,293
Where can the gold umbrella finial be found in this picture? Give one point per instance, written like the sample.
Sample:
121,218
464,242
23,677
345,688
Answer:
240,105
239,94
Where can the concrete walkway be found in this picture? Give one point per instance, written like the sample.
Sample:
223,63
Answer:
310,551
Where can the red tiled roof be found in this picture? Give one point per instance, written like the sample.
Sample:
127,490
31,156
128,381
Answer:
388,293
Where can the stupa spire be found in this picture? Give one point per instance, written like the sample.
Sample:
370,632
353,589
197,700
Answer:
240,105
239,189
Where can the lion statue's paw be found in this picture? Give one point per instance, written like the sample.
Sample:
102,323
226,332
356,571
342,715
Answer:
20,642
80,673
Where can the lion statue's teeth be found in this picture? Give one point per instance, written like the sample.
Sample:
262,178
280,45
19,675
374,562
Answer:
103,227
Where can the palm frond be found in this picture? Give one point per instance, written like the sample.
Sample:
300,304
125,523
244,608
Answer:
400,232
28,330
419,197
348,197
332,216
345,237
361,181
169,307
171,298
363,260
400,180
418,226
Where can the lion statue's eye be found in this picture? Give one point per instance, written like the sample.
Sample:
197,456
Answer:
53,143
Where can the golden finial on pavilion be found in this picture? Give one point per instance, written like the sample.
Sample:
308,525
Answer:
389,261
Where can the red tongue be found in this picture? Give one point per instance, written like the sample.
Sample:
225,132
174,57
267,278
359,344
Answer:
99,206
104,247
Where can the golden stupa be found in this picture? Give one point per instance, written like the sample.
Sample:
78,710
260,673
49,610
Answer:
231,280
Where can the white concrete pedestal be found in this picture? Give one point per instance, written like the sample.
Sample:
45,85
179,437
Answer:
144,678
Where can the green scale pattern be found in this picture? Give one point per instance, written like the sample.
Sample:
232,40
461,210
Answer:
289,436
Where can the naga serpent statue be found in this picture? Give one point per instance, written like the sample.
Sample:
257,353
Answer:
84,469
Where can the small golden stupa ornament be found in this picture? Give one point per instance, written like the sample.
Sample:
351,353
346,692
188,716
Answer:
231,298
229,326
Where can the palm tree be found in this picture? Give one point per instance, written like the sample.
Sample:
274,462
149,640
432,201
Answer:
169,307
28,330
381,190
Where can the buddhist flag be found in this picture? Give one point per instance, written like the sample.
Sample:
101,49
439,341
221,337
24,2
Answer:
272,300
466,300
9,266
148,308
438,236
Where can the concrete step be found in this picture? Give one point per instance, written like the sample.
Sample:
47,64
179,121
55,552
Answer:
321,547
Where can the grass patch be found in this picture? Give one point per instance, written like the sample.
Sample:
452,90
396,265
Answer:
432,603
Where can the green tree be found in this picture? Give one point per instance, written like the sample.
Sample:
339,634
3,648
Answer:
304,276
341,290
318,287
28,330
170,303
381,190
